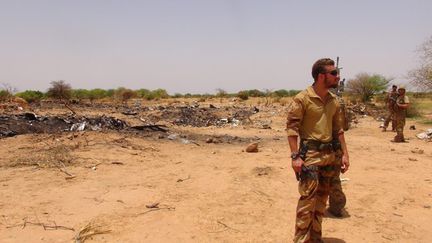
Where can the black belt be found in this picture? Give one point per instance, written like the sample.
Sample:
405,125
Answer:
318,145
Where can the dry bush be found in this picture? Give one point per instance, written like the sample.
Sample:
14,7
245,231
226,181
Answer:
51,157
60,90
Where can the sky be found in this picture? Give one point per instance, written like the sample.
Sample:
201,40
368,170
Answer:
199,46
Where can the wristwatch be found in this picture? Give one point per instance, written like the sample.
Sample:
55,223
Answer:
295,155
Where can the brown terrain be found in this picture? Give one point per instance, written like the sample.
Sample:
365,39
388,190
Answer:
179,172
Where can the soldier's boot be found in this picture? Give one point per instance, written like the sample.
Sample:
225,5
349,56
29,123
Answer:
398,139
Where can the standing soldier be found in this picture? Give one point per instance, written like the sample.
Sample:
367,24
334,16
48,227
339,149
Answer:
391,101
314,116
401,105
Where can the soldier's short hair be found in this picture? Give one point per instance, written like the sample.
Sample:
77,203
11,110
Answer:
319,66
394,86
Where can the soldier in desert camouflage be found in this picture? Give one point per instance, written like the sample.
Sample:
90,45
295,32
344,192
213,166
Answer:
314,116
390,101
401,105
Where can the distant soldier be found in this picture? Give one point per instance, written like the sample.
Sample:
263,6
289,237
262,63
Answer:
391,101
401,105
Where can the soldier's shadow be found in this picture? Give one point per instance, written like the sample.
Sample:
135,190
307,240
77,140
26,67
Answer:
344,215
332,240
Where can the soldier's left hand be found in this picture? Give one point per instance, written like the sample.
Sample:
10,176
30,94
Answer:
345,163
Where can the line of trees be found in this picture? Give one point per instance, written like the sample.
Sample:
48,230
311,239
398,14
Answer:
61,90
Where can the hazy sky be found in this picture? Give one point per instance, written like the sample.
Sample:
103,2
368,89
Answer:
197,46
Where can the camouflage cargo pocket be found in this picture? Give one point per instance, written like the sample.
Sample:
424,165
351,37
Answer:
307,187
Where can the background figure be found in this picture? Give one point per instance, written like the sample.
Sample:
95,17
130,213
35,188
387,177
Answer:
391,101
400,107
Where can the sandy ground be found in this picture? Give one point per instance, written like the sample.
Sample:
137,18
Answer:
208,193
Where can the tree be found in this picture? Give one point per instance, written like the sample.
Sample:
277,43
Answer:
422,76
221,93
124,94
60,90
366,85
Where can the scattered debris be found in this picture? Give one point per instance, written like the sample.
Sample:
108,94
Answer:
172,136
412,159
260,171
252,148
153,205
181,180
11,125
417,151
427,135
129,113
412,127
152,127
156,209
263,124
117,163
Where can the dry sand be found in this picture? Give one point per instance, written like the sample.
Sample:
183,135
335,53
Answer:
208,193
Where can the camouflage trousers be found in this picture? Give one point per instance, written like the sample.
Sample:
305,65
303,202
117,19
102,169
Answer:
390,117
314,188
400,124
337,198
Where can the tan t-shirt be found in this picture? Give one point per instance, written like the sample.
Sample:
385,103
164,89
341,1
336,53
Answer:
310,118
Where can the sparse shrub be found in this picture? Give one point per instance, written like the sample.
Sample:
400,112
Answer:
96,94
281,93
244,95
220,93
255,93
160,94
124,94
31,96
60,90
5,95
80,94
177,95
143,93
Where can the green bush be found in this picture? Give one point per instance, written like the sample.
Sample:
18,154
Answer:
96,94
31,96
80,94
5,95
244,95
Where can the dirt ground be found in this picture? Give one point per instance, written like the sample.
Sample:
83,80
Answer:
123,186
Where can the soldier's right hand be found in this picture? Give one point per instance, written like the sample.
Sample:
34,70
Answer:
297,164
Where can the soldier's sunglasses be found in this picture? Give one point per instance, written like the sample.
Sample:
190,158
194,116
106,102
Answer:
333,72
